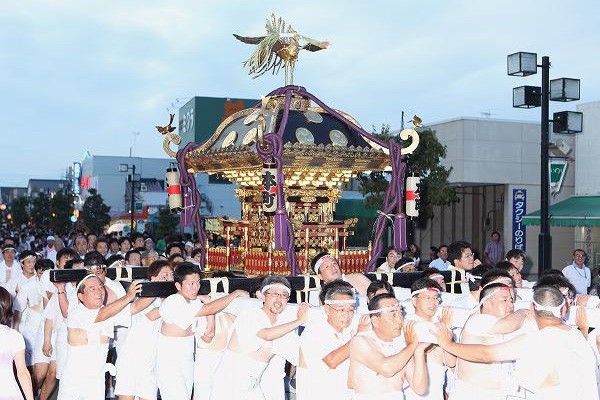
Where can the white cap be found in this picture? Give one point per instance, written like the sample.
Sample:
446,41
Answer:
49,238
190,244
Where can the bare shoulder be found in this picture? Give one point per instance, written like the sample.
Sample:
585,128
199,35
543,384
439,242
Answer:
359,281
359,342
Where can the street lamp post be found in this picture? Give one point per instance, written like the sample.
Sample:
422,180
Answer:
563,89
125,168
545,239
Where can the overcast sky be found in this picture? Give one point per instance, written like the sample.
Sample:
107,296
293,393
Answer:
81,76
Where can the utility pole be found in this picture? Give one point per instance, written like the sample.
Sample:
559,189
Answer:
132,195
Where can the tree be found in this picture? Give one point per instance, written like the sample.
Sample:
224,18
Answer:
40,211
60,212
167,223
425,163
94,212
18,211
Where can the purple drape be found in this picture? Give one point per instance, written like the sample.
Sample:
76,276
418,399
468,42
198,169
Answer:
188,180
272,147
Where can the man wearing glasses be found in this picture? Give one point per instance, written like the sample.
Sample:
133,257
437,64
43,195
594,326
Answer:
325,345
251,345
577,273
463,259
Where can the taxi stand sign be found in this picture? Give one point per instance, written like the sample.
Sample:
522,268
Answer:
557,170
519,209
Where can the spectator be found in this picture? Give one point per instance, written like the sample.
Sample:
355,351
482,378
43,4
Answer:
494,250
577,273
441,262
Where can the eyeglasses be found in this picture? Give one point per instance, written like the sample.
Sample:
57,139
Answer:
284,296
431,299
344,310
468,255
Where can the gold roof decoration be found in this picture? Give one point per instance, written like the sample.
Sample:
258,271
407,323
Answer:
278,48
312,139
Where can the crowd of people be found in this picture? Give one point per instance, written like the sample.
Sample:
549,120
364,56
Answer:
358,337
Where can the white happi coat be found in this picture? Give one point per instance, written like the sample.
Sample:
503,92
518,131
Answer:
317,340
83,375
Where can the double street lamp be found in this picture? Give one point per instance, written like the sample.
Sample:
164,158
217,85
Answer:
565,122
125,168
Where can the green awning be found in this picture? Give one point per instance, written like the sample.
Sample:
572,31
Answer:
575,211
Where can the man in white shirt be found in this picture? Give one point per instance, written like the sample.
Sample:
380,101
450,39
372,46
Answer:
577,273
251,345
9,267
391,258
28,304
175,349
49,250
90,325
325,346
441,263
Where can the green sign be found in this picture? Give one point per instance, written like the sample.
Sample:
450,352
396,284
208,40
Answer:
139,206
200,117
557,170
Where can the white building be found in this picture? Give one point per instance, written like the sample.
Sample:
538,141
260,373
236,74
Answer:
490,160
102,173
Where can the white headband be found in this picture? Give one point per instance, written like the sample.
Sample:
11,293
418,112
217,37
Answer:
556,310
341,302
384,309
83,280
427,289
435,276
26,257
404,265
490,295
502,279
321,260
9,248
278,285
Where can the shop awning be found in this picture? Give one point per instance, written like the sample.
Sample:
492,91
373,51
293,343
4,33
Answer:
575,211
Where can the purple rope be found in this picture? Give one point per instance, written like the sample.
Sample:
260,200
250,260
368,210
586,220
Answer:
187,179
272,147
392,201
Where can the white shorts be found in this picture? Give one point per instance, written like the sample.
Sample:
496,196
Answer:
136,374
175,367
38,355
